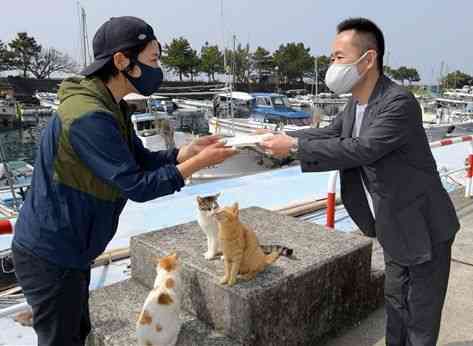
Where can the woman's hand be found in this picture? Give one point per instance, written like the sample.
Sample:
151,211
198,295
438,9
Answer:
195,147
210,155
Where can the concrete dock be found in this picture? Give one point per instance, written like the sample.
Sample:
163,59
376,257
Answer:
218,313
457,318
457,324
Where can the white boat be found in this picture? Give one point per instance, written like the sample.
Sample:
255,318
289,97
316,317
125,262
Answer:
49,100
152,122
7,111
301,101
265,110
183,103
156,131
234,127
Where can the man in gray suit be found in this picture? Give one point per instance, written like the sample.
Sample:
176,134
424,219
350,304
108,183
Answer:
389,180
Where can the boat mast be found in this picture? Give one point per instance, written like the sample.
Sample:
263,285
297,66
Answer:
84,39
231,84
316,76
225,67
223,42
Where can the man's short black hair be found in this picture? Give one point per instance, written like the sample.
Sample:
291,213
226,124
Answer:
371,36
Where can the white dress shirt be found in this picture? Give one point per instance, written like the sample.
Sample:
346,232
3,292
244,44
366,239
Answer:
360,112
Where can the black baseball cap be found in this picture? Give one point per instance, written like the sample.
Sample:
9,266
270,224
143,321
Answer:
115,35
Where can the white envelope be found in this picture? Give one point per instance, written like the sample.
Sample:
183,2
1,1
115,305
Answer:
240,141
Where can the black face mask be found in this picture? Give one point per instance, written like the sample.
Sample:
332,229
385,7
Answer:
149,81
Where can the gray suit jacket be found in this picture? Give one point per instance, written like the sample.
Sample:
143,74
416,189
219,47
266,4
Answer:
412,209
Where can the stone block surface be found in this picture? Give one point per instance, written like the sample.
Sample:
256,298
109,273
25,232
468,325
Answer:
294,302
115,309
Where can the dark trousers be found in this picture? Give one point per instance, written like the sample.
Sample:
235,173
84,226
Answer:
58,296
414,298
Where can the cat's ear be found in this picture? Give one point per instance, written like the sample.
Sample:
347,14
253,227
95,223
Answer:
235,209
199,199
173,259
169,263
218,194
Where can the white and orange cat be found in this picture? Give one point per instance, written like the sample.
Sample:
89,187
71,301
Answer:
159,322
206,207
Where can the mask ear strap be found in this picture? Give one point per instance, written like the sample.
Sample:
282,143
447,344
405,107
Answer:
363,56
131,65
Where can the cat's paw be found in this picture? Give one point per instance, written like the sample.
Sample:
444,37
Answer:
223,280
212,256
232,281
248,277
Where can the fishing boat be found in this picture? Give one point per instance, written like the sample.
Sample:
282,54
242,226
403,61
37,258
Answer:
15,179
48,100
265,110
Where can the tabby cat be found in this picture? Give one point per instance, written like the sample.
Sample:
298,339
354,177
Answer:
242,253
206,207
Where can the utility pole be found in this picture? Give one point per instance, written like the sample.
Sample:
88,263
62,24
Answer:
231,85
84,38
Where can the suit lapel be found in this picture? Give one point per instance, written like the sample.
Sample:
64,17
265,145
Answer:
372,108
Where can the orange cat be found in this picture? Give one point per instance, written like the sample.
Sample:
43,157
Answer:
159,322
242,253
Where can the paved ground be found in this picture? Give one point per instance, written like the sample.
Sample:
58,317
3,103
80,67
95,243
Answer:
457,319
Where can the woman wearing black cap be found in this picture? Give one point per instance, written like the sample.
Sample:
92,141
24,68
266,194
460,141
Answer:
89,163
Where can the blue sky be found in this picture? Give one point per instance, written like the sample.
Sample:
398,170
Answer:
419,33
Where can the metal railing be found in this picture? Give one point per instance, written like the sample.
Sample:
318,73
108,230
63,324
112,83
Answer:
332,182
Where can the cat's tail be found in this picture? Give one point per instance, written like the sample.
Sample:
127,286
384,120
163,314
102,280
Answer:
281,250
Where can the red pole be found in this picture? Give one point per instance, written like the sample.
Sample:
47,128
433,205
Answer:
470,169
6,227
331,210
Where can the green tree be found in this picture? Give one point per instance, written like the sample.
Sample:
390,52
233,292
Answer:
239,62
5,57
24,50
49,61
457,79
293,61
179,57
413,75
211,60
262,63
194,64
323,63
388,71
404,73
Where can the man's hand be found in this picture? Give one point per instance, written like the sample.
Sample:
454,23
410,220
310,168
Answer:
279,145
195,147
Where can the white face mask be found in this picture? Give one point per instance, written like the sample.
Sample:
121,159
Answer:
341,78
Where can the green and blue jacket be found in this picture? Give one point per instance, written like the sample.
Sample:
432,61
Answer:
89,163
